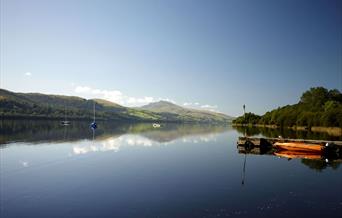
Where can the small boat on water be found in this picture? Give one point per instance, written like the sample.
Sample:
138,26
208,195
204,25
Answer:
298,154
65,122
156,125
299,146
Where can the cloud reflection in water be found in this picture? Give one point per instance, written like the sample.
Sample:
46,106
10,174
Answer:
117,143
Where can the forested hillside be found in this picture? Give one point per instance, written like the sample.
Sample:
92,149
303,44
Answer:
317,107
36,105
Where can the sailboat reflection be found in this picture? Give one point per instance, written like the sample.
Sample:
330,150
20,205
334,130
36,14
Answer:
93,130
244,170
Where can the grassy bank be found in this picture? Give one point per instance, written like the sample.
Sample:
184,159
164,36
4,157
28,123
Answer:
334,131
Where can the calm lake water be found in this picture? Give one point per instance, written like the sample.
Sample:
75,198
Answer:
122,170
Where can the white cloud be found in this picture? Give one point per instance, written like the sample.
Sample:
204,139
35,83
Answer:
28,74
143,100
167,99
207,106
113,96
212,108
197,105
117,96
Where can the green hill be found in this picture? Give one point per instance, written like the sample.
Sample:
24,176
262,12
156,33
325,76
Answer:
317,107
36,105
163,106
173,111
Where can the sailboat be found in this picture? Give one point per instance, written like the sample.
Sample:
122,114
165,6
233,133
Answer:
93,125
65,122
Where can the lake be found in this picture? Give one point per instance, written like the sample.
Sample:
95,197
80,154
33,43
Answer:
135,170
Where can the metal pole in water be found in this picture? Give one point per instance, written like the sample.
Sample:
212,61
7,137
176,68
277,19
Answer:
244,119
244,169
245,134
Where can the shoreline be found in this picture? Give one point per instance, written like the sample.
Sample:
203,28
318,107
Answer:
333,131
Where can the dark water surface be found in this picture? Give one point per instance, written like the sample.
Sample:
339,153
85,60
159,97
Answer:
122,170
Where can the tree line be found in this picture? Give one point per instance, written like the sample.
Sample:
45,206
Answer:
317,107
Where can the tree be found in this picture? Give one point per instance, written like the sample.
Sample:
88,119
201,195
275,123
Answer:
330,105
315,97
335,95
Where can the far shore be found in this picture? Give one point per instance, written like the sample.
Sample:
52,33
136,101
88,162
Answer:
333,131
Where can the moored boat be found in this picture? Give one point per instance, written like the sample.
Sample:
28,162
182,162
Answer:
299,146
65,123
156,125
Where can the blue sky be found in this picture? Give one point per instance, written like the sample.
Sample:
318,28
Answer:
207,54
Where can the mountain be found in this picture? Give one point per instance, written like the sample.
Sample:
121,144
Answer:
173,111
163,106
37,105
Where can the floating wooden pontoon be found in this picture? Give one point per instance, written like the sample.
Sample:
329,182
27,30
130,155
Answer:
257,142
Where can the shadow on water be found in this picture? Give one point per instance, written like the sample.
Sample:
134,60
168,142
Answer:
286,133
39,131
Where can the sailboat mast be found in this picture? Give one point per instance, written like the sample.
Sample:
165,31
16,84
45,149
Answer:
93,125
94,111
65,115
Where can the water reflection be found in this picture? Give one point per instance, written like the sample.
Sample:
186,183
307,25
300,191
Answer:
315,161
135,170
51,131
112,144
286,133
40,131
130,140
320,165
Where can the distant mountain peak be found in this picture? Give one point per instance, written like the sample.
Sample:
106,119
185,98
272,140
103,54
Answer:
171,108
162,104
